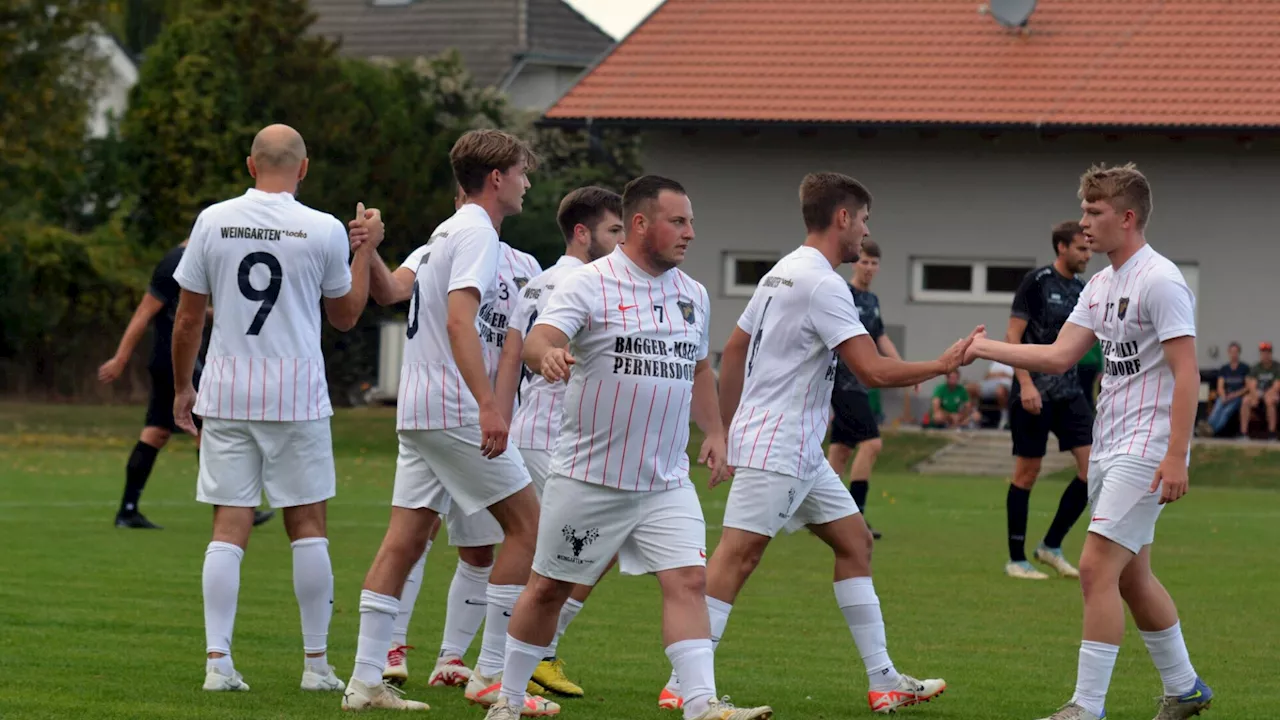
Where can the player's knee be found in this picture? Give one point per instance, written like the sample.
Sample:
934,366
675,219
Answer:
872,447
1025,477
304,521
156,437
685,584
477,556
547,591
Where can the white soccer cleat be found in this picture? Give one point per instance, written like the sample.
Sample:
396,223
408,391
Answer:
1055,559
449,672
722,709
1023,570
382,696
910,691
1071,711
314,681
215,681
396,671
483,690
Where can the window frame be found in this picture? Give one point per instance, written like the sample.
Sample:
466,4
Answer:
978,266
729,285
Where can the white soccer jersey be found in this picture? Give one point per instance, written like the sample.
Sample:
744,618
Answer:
1131,311
800,312
462,253
265,260
536,423
636,339
515,270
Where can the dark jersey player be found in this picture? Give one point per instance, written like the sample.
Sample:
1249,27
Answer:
157,308
854,424
1040,403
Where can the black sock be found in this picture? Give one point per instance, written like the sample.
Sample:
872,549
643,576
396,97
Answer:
1074,500
137,471
1016,507
858,489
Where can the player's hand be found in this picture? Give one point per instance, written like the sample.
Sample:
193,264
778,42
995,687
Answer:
1031,401
184,401
111,370
366,229
715,455
1172,475
956,355
493,432
555,365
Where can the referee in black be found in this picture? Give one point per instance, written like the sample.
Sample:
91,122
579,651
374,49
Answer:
1040,403
157,308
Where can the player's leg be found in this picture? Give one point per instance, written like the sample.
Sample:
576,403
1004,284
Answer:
1030,435
230,479
858,428
474,536
1272,401
396,671
1073,425
158,427
1247,406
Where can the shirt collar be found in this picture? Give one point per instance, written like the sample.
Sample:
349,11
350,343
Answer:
260,196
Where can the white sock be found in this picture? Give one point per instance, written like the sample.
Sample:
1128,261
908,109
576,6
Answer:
694,663
313,587
493,649
1169,653
861,608
409,596
318,664
221,591
522,659
568,612
1093,675
223,664
718,611
466,608
377,614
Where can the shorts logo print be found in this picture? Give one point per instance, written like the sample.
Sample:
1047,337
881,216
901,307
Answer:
578,543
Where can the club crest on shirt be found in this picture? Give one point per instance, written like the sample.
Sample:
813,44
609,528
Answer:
686,310
1122,307
520,282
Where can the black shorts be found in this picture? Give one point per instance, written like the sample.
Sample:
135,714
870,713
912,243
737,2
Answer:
160,405
854,422
1070,420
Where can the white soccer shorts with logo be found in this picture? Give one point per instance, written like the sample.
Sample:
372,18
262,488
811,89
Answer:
240,460
1123,508
764,502
584,524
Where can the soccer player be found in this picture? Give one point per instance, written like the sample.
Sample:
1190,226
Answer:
619,476
1143,312
855,424
590,220
267,261
1044,402
776,377
451,426
157,308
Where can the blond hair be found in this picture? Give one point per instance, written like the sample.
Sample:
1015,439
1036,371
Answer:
1124,187
479,152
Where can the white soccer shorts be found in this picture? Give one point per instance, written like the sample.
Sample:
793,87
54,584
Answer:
291,462
538,462
583,525
1124,510
437,468
480,529
764,502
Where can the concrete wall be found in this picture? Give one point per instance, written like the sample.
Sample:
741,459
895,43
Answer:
538,85
959,195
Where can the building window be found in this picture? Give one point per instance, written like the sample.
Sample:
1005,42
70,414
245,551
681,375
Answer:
744,270
390,3
972,281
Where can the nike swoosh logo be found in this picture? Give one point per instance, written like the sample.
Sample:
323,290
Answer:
506,614
1189,698
472,602
625,308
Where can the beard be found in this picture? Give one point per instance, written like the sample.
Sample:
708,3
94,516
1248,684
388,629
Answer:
595,249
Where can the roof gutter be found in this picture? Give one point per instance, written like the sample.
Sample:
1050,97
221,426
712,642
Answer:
1040,127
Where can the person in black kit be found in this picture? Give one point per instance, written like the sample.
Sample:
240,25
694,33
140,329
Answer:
1042,403
157,307
854,424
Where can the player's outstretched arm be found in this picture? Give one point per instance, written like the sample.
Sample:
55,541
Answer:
387,287
188,328
733,361
862,356
142,316
1072,343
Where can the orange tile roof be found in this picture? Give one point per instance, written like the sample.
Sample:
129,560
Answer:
1081,62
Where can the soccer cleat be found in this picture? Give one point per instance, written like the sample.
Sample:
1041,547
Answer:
261,516
382,696
1190,704
1053,558
1023,570
910,691
668,700
550,675
312,680
502,710
135,520
1072,711
449,672
215,681
396,670
487,691
722,709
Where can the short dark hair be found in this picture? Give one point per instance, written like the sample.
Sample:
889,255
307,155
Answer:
586,206
869,248
1064,233
1234,344
822,193
643,190
479,152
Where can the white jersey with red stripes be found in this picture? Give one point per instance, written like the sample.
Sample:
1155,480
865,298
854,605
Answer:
1132,311
800,312
265,260
515,270
462,253
536,423
636,339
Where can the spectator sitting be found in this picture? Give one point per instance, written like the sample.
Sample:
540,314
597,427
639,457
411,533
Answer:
1263,389
1232,387
951,407
994,391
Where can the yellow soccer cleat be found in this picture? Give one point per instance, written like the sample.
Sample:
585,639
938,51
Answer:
550,675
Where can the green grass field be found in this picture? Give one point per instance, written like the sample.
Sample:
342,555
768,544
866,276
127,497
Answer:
103,623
